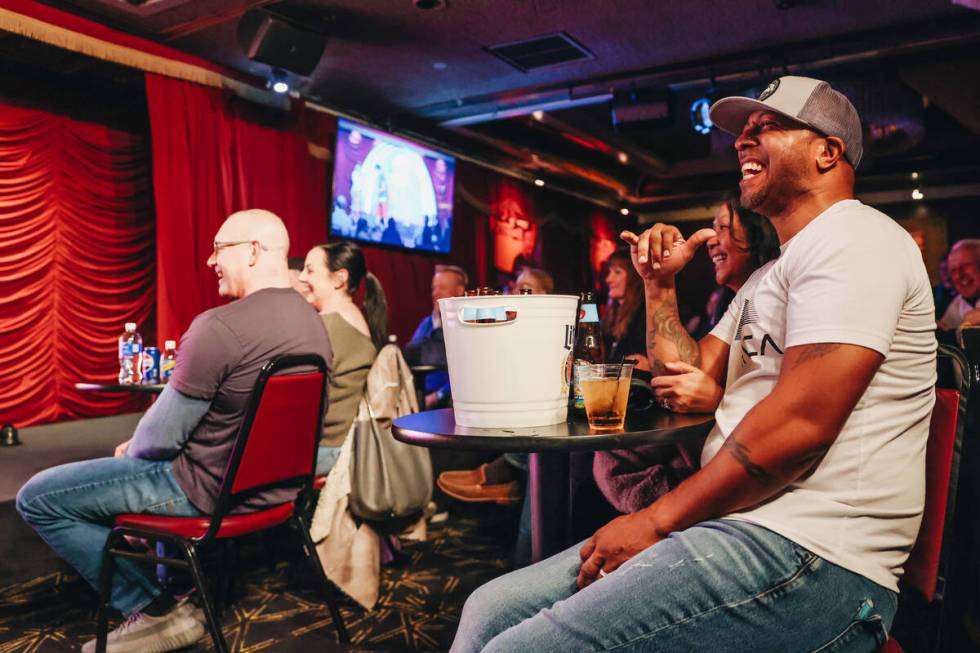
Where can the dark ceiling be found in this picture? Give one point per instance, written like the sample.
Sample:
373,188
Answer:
910,66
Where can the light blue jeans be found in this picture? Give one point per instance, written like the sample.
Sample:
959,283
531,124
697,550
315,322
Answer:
721,585
72,507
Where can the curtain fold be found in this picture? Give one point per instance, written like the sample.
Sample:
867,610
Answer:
76,261
214,155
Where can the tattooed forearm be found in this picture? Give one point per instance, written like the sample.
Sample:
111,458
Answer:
664,327
815,351
741,453
794,468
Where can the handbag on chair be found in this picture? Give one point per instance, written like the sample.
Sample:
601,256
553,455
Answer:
389,479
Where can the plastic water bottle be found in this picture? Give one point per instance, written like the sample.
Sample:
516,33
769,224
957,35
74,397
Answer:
130,355
169,361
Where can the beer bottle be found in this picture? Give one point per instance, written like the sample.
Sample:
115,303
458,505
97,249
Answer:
588,344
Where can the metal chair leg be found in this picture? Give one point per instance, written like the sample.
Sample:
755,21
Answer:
214,625
327,587
105,593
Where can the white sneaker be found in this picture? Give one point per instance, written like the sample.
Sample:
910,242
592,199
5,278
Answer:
141,633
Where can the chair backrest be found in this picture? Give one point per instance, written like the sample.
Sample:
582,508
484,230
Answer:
277,442
925,570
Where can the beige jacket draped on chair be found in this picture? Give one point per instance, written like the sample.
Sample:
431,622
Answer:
349,552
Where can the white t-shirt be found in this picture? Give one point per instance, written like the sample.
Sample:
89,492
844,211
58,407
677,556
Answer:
957,310
852,276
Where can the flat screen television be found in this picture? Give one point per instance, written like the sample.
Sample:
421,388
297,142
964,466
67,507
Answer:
391,191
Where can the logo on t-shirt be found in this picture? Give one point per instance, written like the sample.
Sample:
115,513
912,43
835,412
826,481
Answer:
752,344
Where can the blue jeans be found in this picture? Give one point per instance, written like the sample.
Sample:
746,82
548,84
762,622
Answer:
722,584
72,508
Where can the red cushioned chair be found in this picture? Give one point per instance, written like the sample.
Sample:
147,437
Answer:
275,448
926,568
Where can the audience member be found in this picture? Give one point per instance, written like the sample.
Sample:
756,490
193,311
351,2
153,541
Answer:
333,273
633,479
296,264
427,346
624,322
812,480
743,242
174,463
964,270
538,281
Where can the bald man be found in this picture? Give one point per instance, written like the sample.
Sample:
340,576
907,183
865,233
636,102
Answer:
175,460
964,271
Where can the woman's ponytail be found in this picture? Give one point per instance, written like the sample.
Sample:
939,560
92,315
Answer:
376,310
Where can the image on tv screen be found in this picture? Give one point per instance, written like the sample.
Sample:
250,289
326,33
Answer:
391,191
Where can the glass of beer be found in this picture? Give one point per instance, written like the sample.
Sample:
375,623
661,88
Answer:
605,388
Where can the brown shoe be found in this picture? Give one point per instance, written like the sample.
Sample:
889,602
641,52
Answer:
500,493
476,476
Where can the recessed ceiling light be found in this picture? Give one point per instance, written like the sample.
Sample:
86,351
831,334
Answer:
539,182
624,211
915,175
917,194
623,157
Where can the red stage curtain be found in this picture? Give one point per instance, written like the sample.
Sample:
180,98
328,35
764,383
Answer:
214,155
76,261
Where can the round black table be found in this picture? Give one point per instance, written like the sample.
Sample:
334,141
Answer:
549,447
137,388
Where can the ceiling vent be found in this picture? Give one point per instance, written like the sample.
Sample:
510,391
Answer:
541,52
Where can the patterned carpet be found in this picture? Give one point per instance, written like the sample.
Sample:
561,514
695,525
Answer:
421,598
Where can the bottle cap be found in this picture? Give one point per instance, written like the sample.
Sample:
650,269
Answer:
131,326
170,344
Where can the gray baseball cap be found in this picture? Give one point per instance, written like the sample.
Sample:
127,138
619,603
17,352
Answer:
808,101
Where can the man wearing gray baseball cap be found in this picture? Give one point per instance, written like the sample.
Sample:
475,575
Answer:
793,533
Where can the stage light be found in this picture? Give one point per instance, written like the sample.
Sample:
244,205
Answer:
278,81
915,175
624,211
539,182
538,115
700,120
917,194
623,157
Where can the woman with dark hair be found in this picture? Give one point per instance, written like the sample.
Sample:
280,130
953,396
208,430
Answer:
334,272
624,324
632,479
743,242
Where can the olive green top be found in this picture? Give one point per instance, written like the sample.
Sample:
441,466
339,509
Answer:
353,354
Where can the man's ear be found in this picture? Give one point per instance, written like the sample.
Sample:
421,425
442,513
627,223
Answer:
830,153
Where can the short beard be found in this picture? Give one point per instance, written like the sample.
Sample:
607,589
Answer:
779,193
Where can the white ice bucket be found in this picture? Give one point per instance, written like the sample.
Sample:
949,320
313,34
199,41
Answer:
508,358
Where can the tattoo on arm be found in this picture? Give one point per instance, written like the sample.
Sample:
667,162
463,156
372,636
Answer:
804,464
813,352
741,453
665,323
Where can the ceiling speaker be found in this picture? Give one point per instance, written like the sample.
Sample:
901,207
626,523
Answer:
279,42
